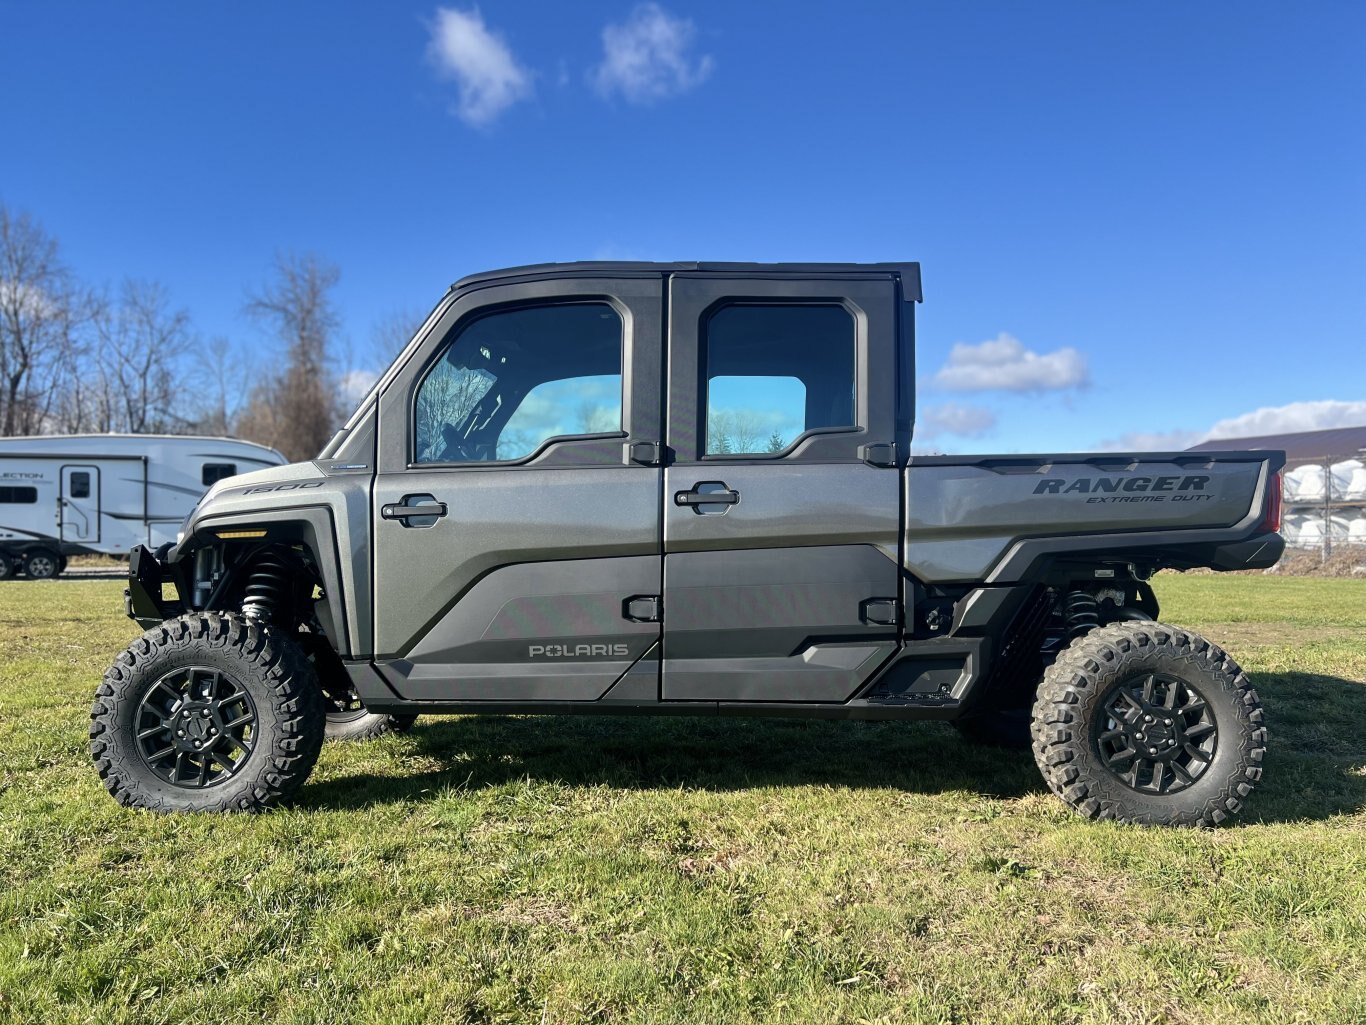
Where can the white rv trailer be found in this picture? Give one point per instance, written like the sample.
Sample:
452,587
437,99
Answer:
77,494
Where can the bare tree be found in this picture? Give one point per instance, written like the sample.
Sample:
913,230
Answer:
733,430
142,345
392,333
298,411
42,310
447,397
222,389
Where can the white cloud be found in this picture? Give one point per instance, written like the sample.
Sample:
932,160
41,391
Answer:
356,384
645,58
1151,441
23,300
1004,364
954,418
488,75
1319,415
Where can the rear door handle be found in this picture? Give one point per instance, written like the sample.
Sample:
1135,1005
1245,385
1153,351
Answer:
707,492
414,508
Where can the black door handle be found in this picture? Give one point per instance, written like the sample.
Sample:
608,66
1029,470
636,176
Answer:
716,494
414,507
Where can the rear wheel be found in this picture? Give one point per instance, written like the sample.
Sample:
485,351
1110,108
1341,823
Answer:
208,712
7,567
1146,723
348,719
41,564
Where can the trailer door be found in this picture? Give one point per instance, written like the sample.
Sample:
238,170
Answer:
80,504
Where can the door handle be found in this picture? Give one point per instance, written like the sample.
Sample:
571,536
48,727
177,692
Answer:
716,494
414,507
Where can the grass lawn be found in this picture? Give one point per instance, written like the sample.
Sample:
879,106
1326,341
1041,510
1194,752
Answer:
687,870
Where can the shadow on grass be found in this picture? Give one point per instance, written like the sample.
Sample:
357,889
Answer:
1315,768
1316,757
707,753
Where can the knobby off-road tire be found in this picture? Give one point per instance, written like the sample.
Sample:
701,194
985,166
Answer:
1170,695
364,725
238,706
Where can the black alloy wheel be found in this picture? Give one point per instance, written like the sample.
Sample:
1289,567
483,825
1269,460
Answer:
1156,733
196,727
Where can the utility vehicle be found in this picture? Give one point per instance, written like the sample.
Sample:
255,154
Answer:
687,488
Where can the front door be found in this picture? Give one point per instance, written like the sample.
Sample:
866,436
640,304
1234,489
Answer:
781,537
516,508
80,504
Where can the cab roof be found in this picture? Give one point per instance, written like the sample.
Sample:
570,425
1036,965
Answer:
909,273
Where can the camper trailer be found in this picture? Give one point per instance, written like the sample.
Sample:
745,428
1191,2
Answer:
81,494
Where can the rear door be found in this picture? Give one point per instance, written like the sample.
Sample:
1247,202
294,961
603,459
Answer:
80,504
516,509
782,503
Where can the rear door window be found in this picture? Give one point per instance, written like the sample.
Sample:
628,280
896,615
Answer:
774,372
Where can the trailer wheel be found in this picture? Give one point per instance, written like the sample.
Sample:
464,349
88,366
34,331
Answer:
207,712
7,567
41,564
1145,723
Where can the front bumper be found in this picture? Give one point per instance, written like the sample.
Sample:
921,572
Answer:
144,600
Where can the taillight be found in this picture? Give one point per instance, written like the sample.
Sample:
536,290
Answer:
1272,520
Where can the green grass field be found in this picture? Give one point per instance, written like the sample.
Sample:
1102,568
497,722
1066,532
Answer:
687,870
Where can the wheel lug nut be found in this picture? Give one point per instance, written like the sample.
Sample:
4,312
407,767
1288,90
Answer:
1147,718
1167,721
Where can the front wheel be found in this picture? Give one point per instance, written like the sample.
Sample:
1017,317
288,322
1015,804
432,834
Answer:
207,712
1145,723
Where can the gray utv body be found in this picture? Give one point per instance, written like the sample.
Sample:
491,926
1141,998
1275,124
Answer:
634,567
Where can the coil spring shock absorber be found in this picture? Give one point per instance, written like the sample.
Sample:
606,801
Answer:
1081,612
268,587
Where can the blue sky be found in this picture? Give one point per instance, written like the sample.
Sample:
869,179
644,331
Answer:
1137,222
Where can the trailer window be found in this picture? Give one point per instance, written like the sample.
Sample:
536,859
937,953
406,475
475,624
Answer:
214,472
80,484
10,495
774,372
